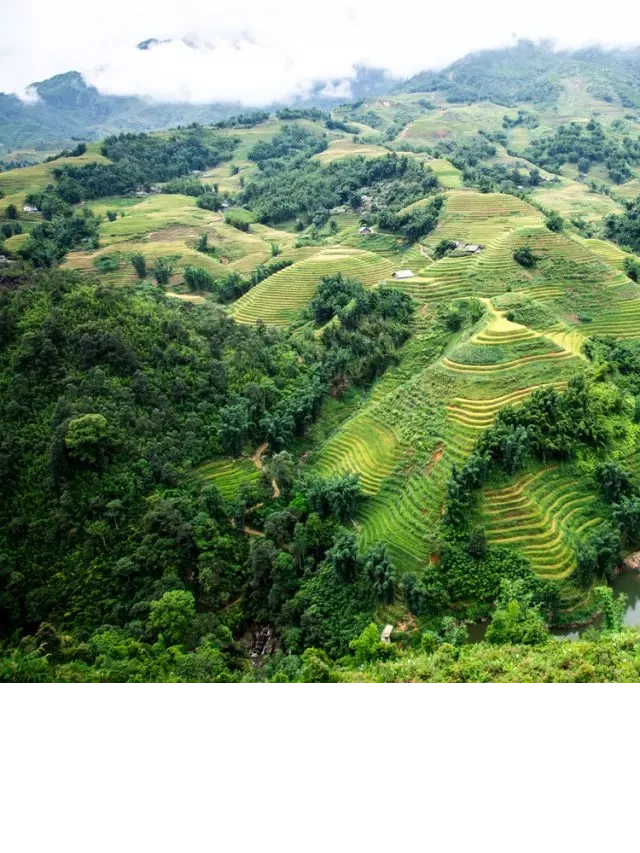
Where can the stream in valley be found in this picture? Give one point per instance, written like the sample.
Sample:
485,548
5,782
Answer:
626,582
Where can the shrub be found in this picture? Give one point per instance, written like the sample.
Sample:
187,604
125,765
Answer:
524,256
368,647
163,270
632,268
316,666
237,219
10,228
443,248
454,319
554,221
87,437
107,263
139,264
197,278
477,543
209,201
515,621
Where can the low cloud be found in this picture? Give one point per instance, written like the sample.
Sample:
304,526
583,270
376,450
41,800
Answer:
260,51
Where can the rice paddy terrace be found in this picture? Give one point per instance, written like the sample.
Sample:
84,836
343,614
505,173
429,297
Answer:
542,514
426,414
278,299
427,411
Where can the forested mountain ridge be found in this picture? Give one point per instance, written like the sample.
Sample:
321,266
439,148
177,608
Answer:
532,72
273,384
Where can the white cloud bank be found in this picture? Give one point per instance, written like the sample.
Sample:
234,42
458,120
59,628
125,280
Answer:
260,51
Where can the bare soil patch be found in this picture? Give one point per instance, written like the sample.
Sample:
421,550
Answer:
436,456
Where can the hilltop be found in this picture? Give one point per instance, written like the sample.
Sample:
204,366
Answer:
275,380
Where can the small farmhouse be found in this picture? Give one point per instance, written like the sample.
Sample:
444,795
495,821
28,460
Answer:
403,274
30,208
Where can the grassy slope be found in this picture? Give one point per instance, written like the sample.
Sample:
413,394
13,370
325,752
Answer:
436,409
18,183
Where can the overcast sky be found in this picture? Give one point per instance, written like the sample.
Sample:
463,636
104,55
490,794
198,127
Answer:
258,51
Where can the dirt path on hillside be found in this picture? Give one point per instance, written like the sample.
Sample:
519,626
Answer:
436,456
257,461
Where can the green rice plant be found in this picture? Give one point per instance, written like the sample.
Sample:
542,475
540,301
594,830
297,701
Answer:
364,446
278,299
542,513
228,475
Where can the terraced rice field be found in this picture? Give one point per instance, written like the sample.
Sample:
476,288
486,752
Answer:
572,198
405,502
499,330
341,148
501,345
228,475
480,413
235,250
278,299
496,222
156,213
607,252
455,122
407,509
427,411
623,321
541,514
177,249
507,365
448,175
481,217
363,446
397,516
448,278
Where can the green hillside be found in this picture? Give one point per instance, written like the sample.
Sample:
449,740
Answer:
299,375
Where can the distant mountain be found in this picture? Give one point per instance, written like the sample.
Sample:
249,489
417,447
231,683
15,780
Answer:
531,72
67,109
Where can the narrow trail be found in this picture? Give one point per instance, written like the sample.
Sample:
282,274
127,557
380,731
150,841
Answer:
257,461
436,456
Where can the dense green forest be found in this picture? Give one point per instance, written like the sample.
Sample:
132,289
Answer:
111,399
